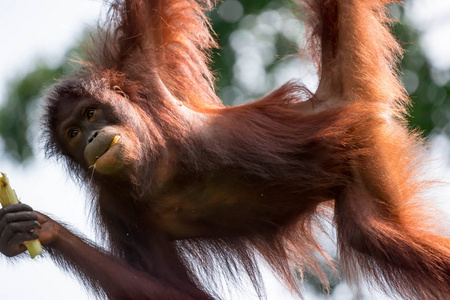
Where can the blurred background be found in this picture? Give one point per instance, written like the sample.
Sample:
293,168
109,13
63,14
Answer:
256,39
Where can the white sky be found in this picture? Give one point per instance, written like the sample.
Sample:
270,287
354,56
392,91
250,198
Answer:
432,17
36,29
45,29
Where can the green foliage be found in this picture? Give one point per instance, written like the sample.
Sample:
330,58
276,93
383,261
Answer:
428,87
20,103
333,276
19,113
224,58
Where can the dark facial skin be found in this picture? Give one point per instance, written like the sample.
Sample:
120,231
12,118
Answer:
90,139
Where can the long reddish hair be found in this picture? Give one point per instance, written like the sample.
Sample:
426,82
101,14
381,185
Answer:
351,145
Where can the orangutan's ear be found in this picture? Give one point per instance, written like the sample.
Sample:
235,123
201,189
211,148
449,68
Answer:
119,91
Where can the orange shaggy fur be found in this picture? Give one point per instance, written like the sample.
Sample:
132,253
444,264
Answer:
263,176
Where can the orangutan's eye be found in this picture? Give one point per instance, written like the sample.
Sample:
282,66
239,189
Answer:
73,133
89,113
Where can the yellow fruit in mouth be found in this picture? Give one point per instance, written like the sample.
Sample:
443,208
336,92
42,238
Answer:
114,141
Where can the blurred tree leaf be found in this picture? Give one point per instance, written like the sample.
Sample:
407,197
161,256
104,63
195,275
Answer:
223,58
20,105
334,278
429,88
14,114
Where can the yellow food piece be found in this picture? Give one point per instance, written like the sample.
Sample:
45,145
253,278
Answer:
115,140
8,197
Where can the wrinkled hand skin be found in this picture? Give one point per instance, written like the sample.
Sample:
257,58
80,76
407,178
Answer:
19,223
